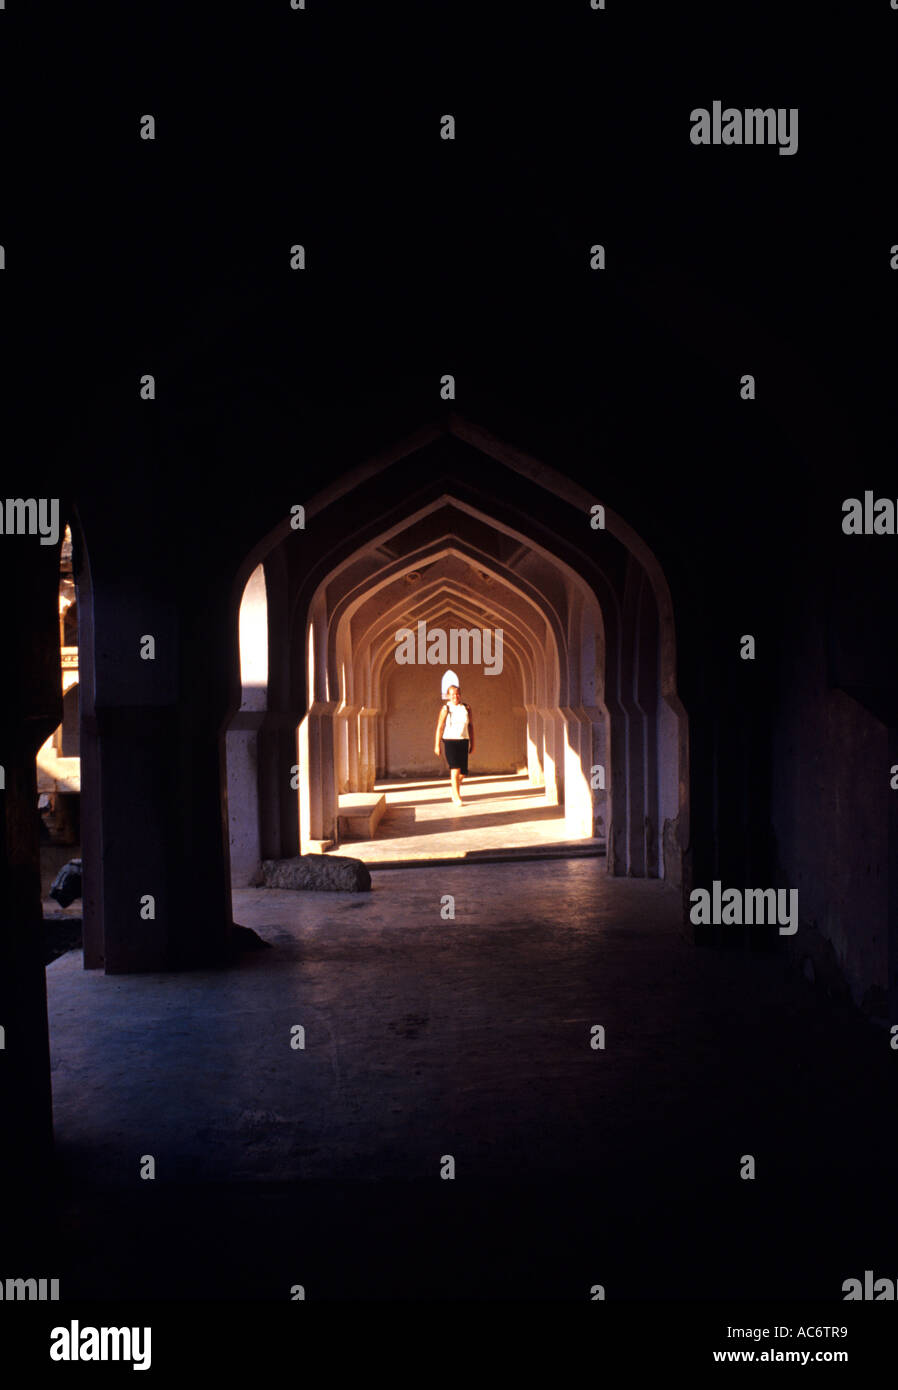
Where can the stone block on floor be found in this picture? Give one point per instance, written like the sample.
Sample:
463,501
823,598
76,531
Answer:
333,873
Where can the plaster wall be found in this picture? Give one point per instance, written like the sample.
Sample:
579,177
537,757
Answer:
412,708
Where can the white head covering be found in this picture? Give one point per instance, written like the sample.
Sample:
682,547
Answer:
450,678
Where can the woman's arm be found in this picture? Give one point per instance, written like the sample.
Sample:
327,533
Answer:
440,722
470,733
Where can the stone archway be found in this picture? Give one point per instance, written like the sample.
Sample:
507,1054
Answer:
537,619
453,523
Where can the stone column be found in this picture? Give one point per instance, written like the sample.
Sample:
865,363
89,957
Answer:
163,779
347,736
533,742
578,741
25,1053
552,755
242,743
30,709
278,800
367,747
318,799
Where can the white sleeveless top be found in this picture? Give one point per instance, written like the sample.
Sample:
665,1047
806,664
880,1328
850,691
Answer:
456,725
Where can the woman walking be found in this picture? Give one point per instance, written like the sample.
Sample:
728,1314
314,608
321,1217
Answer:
456,729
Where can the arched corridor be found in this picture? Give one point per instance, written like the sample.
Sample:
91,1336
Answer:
570,624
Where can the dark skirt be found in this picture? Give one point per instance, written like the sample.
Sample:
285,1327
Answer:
456,750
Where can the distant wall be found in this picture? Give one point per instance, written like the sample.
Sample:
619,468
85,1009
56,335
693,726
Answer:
413,706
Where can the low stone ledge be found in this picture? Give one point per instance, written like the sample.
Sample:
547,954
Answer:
330,873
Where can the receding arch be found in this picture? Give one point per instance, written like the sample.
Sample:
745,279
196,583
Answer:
603,725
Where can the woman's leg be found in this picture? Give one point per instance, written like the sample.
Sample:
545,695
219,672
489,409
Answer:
456,790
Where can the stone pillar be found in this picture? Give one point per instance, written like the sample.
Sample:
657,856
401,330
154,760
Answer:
552,755
318,801
578,741
381,725
600,758
243,733
346,738
25,1152
278,800
645,695
30,709
635,824
92,930
286,703
533,745
367,748
163,780
519,725
618,788
244,819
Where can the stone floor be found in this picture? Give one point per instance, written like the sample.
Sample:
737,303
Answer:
499,815
428,1036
